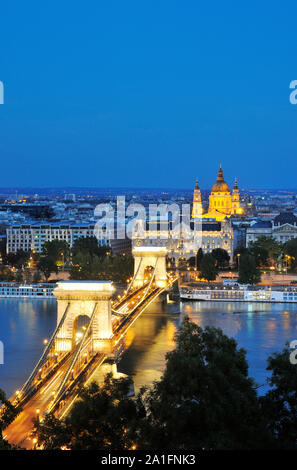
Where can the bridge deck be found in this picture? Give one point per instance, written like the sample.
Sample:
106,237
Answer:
130,308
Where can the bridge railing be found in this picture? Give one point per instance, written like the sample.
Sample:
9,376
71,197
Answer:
116,305
48,356
142,296
77,361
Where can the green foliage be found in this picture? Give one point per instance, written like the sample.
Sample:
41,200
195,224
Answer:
208,268
192,261
199,257
47,266
56,250
89,246
259,253
279,405
19,276
103,418
270,245
290,249
3,247
248,272
6,275
27,275
205,398
8,414
91,267
36,277
221,256
18,259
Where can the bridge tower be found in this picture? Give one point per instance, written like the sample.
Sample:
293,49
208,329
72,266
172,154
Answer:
146,257
84,298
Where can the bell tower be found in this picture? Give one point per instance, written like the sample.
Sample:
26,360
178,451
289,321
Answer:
236,209
197,202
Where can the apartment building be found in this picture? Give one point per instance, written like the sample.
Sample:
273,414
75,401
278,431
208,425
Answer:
32,236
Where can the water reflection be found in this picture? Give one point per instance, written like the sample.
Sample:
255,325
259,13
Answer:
153,337
259,328
24,323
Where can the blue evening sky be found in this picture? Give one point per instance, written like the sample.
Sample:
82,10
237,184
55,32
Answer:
148,93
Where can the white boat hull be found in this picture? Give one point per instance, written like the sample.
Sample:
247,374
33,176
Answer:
226,295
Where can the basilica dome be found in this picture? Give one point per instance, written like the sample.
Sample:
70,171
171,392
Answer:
220,185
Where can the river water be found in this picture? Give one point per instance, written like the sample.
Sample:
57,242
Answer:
259,328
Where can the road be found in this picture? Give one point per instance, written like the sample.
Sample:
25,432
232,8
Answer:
19,432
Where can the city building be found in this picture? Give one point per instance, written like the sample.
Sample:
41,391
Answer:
218,235
121,246
210,235
282,228
222,203
32,236
261,228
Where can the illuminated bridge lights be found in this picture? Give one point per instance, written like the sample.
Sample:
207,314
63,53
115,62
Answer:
59,348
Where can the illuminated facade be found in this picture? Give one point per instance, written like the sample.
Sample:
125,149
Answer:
222,203
32,237
83,298
197,202
282,228
211,235
150,257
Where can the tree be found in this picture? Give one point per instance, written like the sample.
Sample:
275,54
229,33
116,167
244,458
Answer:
89,246
103,418
36,277
122,268
199,257
221,256
18,259
19,276
238,252
28,275
248,272
35,257
8,413
259,253
3,248
47,266
85,267
265,249
272,246
290,250
6,275
91,267
192,261
56,250
279,405
208,268
205,399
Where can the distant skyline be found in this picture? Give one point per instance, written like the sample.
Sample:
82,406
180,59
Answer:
152,95
140,188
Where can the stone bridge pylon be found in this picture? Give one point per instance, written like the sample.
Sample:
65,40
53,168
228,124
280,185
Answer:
84,298
150,257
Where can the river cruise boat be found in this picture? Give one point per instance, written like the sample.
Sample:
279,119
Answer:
13,289
239,293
